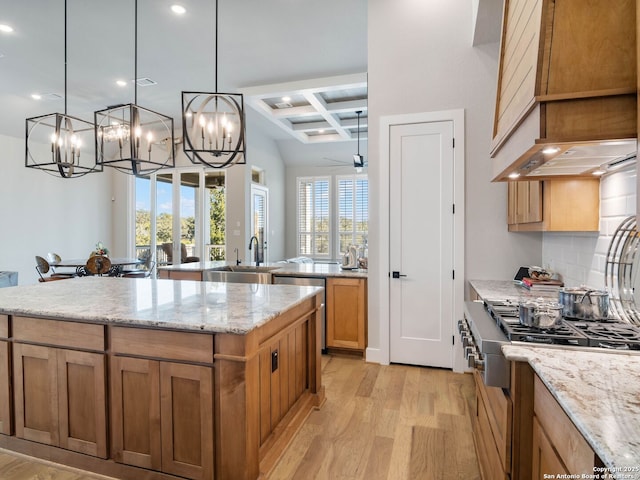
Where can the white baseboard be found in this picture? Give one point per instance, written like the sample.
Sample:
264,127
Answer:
374,355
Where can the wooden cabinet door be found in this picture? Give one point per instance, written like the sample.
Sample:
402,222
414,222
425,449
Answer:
135,412
82,402
524,202
186,412
35,375
346,313
544,459
5,390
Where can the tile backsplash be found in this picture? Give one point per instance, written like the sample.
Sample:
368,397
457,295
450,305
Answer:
580,257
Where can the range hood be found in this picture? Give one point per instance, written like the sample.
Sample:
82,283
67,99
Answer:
566,103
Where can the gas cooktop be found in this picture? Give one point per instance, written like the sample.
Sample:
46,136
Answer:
604,333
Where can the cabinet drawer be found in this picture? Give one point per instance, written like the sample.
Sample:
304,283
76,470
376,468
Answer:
59,333
499,409
488,457
571,446
4,326
141,342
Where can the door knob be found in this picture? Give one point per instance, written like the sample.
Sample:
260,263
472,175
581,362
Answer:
396,275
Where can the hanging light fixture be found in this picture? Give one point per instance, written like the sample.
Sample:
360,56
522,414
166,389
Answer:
213,127
358,160
58,143
133,139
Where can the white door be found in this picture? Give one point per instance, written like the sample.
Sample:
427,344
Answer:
421,243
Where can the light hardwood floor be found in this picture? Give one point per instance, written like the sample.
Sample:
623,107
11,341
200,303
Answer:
391,422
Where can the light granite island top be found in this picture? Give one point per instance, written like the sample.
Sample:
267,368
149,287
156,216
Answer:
600,392
185,305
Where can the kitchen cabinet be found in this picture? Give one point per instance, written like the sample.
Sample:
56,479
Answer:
556,440
60,393
162,411
492,430
554,205
180,275
5,378
346,313
564,81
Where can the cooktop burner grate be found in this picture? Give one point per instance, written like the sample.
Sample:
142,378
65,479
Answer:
609,334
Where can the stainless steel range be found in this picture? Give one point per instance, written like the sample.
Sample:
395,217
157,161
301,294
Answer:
489,325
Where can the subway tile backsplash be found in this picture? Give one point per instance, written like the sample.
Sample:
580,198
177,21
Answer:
580,257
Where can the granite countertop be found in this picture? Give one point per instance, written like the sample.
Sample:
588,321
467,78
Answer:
288,269
600,394
505,290
179,305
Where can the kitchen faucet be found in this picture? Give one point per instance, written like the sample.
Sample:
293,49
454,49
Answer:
257,254
238,261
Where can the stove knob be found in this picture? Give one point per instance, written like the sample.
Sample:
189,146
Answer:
471,360
479,365
461,326
467,352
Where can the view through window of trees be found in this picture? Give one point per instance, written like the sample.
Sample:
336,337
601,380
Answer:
215,223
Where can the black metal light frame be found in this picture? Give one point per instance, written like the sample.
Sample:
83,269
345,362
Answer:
205,140
143,142
65,135
358,160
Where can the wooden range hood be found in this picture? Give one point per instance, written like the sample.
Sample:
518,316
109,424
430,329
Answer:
567,94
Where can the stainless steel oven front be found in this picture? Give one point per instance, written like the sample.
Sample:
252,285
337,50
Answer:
482,340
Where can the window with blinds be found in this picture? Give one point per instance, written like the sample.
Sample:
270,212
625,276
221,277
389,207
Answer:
314,217
353,211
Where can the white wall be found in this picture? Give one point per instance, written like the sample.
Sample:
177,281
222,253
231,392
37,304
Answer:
421,60
581,257
41,213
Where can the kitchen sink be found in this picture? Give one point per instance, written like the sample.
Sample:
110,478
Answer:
239,274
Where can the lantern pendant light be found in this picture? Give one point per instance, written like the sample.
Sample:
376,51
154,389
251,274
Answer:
133,139
213,124
59,144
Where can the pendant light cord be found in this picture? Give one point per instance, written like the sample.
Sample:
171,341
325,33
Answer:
65,57
216,50
135,53
358,113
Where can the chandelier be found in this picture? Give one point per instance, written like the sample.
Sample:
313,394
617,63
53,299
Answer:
60,144
131,138
358,160
213,126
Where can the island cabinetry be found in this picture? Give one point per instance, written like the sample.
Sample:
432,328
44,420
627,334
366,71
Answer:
346,313
5,378
162,410
60,393
558,447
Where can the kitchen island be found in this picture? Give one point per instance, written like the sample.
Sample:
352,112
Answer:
157,379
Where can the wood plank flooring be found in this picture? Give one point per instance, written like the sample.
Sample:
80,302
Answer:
392,422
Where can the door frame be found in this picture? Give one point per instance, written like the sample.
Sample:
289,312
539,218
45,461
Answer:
380,303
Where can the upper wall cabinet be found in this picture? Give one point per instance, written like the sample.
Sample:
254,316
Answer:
566,99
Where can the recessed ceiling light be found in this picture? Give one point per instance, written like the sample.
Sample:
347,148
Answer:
5,28
321,130
599,172
178,9
286,99
550,150
514,175
36,96
121,83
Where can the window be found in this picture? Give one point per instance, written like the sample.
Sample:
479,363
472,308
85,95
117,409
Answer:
328,224
314,217
353,211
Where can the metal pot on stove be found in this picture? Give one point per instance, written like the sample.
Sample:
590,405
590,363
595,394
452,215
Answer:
540,314
584,303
